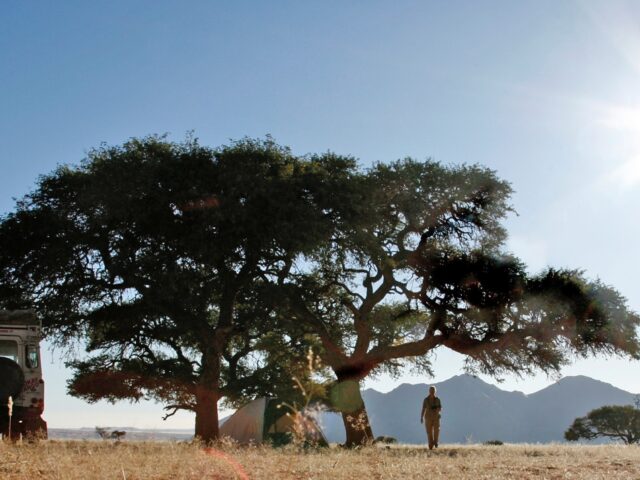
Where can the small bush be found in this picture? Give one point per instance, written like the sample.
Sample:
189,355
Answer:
106,434
385,439
279,439
493,442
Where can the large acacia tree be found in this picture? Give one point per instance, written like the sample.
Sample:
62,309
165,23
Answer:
151,253
425,268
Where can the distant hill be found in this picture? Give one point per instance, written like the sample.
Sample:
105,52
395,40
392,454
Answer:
475,411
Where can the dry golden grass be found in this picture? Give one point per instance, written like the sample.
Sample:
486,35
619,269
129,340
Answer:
132,460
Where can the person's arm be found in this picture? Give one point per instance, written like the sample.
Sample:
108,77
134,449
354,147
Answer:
439,409
424,409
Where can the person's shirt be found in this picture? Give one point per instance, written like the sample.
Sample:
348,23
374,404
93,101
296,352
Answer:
431,405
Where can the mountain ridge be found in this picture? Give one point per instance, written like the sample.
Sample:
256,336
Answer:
473,411
476,411
562,380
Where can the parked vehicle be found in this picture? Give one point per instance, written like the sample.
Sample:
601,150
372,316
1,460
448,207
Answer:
21,375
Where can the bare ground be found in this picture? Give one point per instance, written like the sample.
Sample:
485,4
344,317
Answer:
132,460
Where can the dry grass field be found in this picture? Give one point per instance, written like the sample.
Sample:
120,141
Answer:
164,460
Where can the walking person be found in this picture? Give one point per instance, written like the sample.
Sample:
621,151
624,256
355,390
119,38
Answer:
431,407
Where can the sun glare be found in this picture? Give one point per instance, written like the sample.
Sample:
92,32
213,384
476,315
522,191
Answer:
626,121
619,117
619,26
627,175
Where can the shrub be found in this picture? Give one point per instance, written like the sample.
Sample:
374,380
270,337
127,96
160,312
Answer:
493,442
385,439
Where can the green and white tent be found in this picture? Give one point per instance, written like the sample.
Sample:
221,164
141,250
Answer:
269,420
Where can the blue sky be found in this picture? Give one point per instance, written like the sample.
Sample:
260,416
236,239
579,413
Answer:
545,92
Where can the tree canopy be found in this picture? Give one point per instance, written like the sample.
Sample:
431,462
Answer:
152,252
425,268
613,421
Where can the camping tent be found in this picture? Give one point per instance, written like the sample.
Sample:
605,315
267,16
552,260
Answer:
270,420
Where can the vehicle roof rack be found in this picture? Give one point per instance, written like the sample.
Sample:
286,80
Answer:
18,317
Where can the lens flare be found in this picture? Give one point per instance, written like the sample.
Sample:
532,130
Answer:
235,466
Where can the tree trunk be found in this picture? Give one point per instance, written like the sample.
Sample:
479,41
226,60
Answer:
207,415
347,399
357,428
207,396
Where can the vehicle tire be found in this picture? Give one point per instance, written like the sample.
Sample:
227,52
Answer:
11,380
